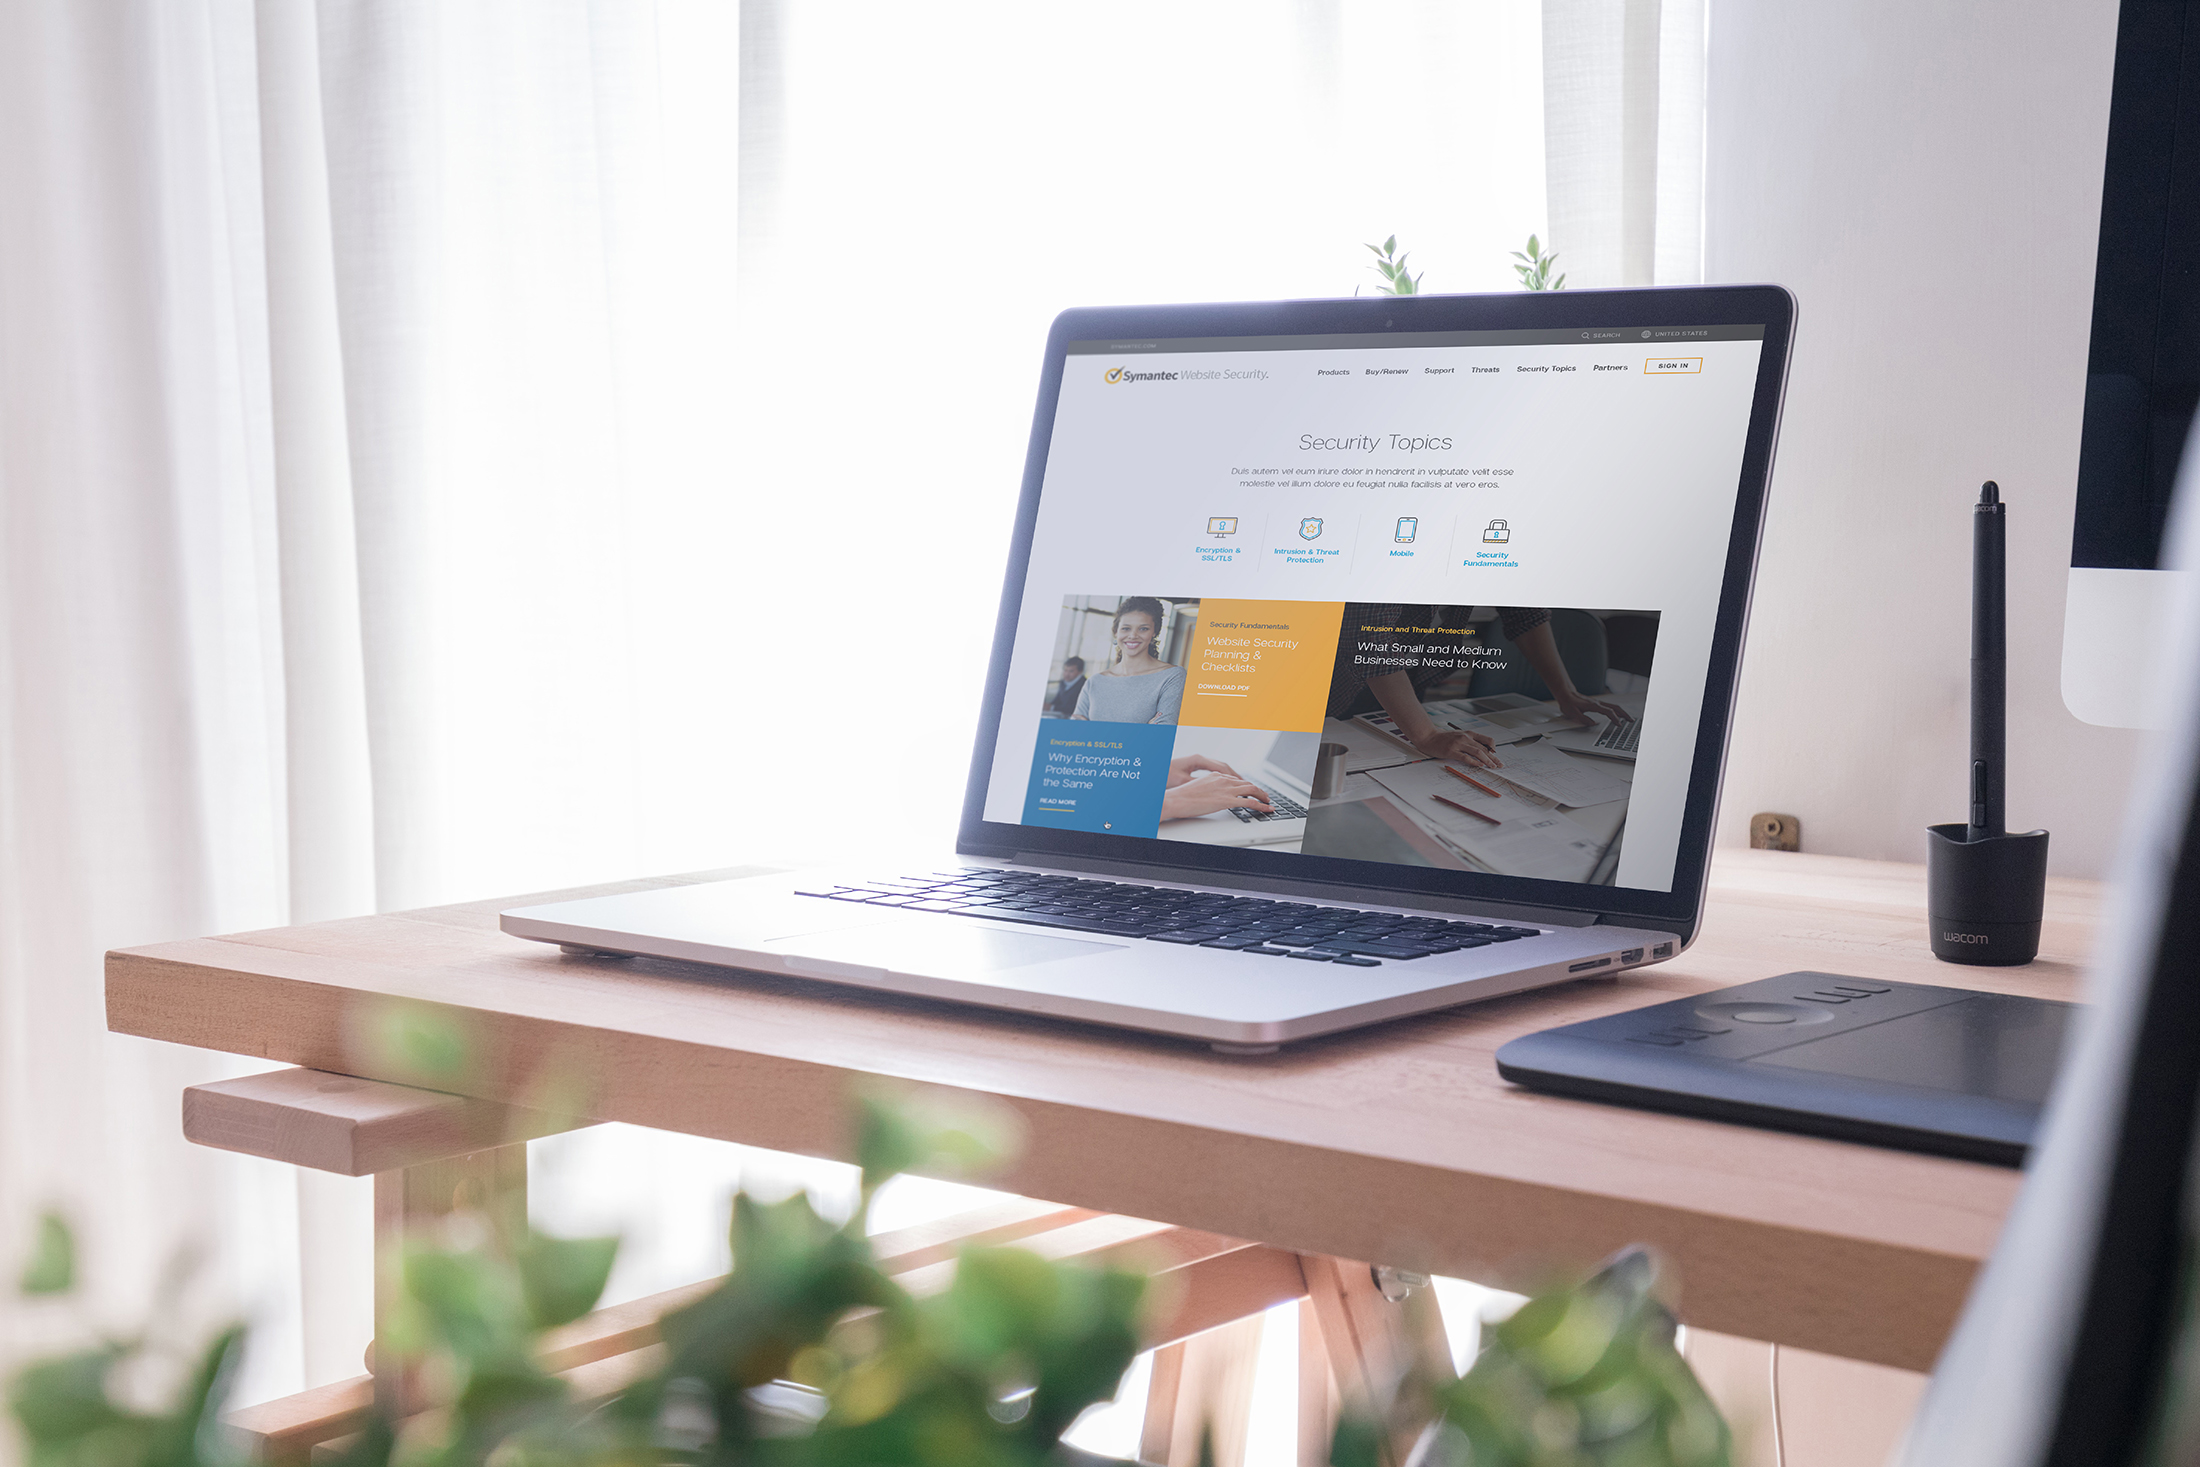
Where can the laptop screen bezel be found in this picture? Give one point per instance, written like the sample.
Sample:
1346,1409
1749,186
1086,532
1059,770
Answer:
1768,306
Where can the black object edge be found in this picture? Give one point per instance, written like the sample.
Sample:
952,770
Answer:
2134,1279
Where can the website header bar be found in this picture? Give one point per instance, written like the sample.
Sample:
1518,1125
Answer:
1379,340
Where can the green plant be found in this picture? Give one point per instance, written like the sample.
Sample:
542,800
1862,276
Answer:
1391,265
808,1355
1581,1375
1534,268
1535,265
70,1411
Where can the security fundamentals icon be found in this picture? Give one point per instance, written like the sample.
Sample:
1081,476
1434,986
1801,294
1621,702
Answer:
1497,533
1310,528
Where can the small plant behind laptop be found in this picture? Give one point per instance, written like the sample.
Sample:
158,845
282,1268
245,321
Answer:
1391,265
1535,265
1534,269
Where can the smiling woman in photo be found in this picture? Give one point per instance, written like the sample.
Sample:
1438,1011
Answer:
1135,686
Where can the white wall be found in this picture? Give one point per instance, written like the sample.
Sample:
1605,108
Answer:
1926,179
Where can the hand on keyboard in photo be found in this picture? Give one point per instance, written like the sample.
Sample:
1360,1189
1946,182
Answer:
1284,808
1580,707
1199,785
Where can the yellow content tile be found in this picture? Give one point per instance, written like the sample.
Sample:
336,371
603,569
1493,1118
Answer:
1261,664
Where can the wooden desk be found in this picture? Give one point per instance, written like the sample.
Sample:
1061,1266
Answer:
1397,1143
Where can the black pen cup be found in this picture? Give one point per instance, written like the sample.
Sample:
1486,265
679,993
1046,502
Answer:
1983,898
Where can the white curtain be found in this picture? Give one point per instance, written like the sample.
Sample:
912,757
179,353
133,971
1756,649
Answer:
1623,105
141,704
451,449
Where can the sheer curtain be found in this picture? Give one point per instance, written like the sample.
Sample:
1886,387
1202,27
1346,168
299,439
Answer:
142,740
448,450
1623,99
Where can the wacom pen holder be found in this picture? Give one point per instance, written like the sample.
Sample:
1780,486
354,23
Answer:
1983,897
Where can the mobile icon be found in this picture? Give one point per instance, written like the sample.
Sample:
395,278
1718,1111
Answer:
1408,527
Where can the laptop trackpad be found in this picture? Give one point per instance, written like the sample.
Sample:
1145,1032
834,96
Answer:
928,946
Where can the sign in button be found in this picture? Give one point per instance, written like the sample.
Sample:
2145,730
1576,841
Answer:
1669,365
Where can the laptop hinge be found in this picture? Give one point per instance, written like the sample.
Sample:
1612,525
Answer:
1269,885
1653,924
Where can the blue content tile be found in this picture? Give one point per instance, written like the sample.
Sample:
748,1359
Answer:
1107,777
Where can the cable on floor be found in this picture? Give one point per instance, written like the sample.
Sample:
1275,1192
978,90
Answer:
1779,1448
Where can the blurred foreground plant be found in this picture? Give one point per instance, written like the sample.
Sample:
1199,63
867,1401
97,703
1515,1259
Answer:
808,1355
74,1410
1583,1375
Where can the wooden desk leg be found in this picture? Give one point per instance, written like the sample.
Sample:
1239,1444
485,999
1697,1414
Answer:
1203,1385
409,1205
1163,1391
1354,1346
1317,1391
1370,1342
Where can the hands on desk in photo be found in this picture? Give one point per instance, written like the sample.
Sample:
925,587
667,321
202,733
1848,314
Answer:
1394,690
1199,785
1476,751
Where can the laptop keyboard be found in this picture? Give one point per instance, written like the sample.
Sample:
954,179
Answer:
1282,807
1253,925
1621,736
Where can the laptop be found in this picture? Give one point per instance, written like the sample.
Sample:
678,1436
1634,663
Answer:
1210,518
1612,738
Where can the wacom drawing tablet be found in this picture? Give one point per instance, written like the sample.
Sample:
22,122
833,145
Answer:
1946,1070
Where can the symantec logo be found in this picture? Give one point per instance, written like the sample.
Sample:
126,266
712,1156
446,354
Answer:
1125,374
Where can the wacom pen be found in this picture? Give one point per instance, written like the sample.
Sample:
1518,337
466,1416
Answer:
1984,887
1989,663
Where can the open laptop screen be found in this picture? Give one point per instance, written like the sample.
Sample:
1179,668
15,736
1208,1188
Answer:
1433,601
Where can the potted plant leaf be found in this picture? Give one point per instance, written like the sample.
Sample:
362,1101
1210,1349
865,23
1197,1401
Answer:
808,1355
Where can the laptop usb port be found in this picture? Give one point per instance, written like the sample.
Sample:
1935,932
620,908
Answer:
1632,955
1662,950
1585,967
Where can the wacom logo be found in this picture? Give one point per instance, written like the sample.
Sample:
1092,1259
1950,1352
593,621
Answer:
1125,374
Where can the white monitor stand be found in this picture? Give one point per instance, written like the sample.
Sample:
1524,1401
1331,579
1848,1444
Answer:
2116,646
